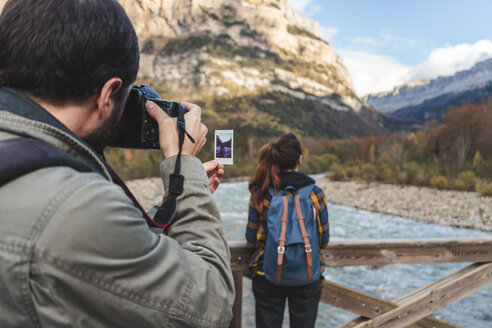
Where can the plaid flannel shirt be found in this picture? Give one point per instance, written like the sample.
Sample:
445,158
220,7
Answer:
256,230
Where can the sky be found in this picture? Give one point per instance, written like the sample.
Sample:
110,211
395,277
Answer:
386,43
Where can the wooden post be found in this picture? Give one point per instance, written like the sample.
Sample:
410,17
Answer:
238,300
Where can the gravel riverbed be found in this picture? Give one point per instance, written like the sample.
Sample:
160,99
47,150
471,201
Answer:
451,208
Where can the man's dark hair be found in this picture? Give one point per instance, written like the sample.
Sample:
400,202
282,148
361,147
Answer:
65,50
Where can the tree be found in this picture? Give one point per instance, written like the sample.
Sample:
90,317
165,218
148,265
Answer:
477,160
462,148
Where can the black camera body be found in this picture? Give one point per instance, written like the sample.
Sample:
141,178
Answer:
136,128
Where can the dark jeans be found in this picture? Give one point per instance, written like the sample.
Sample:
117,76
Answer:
270,303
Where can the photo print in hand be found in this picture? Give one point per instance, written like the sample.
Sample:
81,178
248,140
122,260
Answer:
224,146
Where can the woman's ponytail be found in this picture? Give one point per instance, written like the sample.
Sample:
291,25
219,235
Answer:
266,175
275,157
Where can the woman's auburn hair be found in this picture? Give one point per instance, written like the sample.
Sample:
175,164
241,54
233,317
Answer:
275,157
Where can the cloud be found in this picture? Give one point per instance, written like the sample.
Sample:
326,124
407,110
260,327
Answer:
300,5
385,38
312,10
306,7
449,60
372,72
328,32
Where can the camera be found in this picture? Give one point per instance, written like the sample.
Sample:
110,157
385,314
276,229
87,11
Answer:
136,129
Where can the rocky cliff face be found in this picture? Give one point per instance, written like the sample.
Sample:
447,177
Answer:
211,44
423,99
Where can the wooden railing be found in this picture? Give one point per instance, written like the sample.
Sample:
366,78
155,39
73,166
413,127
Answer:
411,310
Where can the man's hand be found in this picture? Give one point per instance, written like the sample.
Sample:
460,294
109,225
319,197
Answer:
214,172
168,130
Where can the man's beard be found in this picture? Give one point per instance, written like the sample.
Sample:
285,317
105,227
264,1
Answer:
99,138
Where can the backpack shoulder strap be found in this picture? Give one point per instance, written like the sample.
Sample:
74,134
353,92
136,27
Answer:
20,156
305,236
282,239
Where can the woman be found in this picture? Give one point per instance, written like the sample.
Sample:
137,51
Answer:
279,168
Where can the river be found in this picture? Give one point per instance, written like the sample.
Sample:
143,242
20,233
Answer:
389,282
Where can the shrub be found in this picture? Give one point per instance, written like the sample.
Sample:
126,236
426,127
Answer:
466,181
180,45
484,171
422,178
412,171
401,177
337,172
386,174
369,172
330,159
319,163
439,182
296,30
352,171
385,158
485,189
313,164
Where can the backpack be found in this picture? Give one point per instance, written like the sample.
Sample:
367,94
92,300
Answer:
291,255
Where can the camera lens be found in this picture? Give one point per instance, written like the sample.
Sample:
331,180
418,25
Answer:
150,131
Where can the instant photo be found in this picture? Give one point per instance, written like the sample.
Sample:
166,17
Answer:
224,146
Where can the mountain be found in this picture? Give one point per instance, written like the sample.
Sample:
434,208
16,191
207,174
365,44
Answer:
425,100
253,65
256,66
251,43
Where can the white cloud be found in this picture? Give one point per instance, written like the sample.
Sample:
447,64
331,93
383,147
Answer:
373,72
300,5
385,38
449,60
328,32
312,10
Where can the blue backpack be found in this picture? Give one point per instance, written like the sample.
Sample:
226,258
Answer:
292,251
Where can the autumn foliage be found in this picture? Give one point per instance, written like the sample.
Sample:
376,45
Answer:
455,153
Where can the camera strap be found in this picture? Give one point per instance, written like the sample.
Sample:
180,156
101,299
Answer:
165,214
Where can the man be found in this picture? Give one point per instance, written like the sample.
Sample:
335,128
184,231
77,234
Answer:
74,248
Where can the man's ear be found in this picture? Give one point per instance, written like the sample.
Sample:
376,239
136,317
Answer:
299,162
109,88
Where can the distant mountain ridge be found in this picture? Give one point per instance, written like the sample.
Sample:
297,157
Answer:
425,100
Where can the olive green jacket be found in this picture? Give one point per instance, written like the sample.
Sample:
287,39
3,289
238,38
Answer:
75,252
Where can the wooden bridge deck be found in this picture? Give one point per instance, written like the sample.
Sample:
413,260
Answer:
411,310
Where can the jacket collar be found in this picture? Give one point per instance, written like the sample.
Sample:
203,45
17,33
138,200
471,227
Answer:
15,102
294,179
37,122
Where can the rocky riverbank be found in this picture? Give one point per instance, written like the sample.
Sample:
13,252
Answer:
451,208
